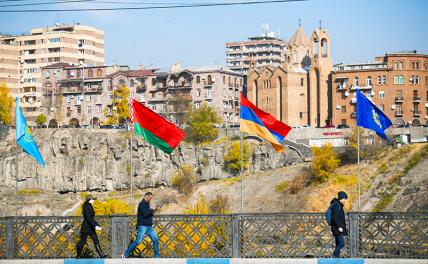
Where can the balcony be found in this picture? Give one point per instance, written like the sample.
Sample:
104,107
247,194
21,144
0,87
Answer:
72,90
78,103
399,113
416,113
399,100
180,87
141,88
353,114
353,100
416,99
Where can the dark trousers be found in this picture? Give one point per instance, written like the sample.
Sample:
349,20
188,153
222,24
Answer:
340,243
83,238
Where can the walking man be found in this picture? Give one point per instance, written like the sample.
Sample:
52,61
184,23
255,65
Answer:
338,222
144,226
89,227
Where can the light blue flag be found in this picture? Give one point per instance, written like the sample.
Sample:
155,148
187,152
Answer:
371,117
24,138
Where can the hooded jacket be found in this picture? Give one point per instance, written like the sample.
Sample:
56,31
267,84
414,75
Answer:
89,222
338,218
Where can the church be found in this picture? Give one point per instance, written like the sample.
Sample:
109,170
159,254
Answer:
297,92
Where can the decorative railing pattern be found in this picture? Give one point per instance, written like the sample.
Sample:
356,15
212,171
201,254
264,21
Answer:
380,235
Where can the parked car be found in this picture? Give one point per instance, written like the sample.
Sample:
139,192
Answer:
342,126
106,127
403,125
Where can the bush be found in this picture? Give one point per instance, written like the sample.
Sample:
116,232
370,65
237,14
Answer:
184,179
108,207
324,163
347,155
232,158
29,192
300,181
282,186
219,205
41,119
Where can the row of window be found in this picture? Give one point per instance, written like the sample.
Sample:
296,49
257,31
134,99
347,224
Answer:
398,79
78,109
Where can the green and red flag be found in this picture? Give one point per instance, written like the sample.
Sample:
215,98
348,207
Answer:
155,129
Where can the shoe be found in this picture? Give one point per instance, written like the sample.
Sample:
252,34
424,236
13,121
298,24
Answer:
100,251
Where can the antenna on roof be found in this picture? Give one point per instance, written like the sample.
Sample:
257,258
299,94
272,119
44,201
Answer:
265,30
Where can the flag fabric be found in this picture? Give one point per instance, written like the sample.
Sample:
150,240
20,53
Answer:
24,138
371,117
256,121
155,129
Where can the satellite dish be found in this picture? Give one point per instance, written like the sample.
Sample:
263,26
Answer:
393,107
338,107
373,93
426,105
346,93
57,24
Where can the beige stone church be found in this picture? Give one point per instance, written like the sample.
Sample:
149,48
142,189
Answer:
296,92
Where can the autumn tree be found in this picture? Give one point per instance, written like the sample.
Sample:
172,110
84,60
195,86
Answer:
120,112
202,124
6,103
41,119
324,162
232,158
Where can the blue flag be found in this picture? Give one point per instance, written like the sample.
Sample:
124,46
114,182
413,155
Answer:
371,117
24,138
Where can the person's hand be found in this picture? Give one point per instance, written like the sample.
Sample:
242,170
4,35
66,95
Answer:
99,228
340,230
154,208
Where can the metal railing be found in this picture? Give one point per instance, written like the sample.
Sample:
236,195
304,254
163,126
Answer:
371,235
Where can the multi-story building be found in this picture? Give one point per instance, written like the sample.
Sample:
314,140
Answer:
23,56
297,91
396,82
264,50
170,93
84,95
75,95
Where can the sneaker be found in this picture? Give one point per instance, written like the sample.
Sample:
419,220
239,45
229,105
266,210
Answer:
123,256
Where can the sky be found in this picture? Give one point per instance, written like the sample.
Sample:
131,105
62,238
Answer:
359,29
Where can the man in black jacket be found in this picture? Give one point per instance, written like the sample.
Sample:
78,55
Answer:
144,226
338,222
89,227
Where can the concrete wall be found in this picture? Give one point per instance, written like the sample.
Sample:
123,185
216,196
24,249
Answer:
216,261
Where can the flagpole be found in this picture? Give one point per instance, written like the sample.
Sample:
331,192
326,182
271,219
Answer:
16,183
130,152
242,173
358,168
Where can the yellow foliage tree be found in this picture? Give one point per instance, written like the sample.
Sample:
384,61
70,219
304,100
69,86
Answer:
202,123
6,103
120,112
233,156
324,162
107,207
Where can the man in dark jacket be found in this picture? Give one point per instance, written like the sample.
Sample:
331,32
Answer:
144,226
89,227
338,222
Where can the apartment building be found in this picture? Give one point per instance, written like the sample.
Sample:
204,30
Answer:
170,92
22,58
396,82
264,50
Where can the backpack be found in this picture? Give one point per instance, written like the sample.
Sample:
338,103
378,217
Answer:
328,213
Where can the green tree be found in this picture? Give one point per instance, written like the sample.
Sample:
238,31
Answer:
6,103
325,161
202,124
120,112
233,156
41,119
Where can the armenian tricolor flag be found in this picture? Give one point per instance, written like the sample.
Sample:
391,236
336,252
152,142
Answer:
258,122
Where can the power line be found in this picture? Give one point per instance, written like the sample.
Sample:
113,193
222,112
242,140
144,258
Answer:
150,7
48,3
90,2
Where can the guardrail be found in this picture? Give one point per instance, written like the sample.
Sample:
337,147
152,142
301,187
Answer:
288,235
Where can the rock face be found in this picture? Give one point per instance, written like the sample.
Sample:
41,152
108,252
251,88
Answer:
99,160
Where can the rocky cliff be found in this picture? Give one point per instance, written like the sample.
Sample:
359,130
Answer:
99,160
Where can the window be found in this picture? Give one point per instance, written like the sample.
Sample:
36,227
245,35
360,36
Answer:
300,115
301,81
382,107
395,65
210,82
197,105
401,65
413,65
415,94
110,96
343,108
343,96
395,79
198,79
78,73
417,80
79,109
369,81
356,81
99,73
68,74
401,79
54,40
89,109
99,108
224,79
381,94
399,94
198,92
68,98
343,122
88,98
90,73
209,93
427,98
384,79
379,79
132,83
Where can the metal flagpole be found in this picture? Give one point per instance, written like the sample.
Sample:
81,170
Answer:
16,184
358,168
242,173
132,195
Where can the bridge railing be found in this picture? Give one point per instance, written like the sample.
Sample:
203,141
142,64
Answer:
291,235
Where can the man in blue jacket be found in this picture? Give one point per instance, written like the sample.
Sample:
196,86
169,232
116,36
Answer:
144,226
338,222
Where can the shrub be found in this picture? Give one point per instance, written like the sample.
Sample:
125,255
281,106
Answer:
29,192
300,181
202,123
282,186
232,158
41,119
184,179
219,205
324,163
108,207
